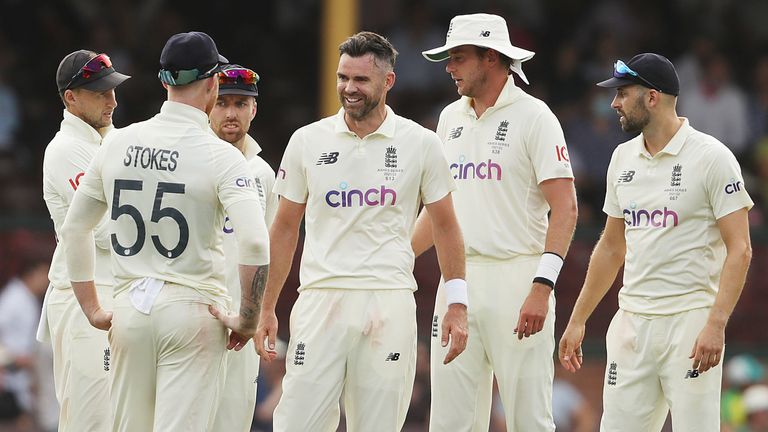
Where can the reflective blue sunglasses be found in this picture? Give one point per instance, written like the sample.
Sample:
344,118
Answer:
621,70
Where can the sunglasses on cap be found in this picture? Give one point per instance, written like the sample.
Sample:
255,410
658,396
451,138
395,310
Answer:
91,67
244,75
621,70
182,77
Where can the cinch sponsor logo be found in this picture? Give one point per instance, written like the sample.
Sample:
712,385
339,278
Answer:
244,182
345,197
464,170
655,218
733,187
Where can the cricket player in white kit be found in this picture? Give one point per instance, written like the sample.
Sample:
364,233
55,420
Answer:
507,152
677,221
81,356
231,118
167,183
360,175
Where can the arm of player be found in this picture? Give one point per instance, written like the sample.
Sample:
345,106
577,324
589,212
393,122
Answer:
284,235
734,228
253,255
77,235
561,197
449,244
422,240
607,258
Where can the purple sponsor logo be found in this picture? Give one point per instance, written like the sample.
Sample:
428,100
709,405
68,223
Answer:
656,218
346,197
465,170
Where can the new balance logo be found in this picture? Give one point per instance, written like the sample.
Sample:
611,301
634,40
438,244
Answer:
455,132
328,158
692,373
612,374
393,357
485,33
626,176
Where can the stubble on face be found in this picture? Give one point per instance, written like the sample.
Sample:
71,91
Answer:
638,118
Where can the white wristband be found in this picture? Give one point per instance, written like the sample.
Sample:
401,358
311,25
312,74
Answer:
456,292
549,269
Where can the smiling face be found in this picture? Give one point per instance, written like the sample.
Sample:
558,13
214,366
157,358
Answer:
362,85
94,108
231,116
469,72
629,103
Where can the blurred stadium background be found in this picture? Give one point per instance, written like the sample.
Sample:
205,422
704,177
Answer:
720,48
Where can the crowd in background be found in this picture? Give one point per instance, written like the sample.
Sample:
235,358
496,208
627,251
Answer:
720,49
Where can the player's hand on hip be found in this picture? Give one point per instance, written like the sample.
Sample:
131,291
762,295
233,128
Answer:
454,331
266,333
534,311
569,353
240,334
101,319
708,350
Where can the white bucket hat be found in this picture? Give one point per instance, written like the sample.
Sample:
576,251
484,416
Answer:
483,30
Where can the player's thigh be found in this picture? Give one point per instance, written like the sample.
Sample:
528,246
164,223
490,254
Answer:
461,390
693,397
315,362
524,368
191,346
238,399
632,393
381,366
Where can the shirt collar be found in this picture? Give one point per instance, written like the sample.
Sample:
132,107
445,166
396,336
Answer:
386,129
674,145
184,112
252,148
76,126
509,93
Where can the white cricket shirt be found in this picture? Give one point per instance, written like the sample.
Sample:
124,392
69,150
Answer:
66,160
362,198
167,183
498,161
264,176
670,203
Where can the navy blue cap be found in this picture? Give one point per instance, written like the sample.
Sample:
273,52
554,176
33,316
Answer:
651,70
188,57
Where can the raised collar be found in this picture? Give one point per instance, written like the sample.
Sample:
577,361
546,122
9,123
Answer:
674,145
183,112
386,129
252,148
509,93
75,126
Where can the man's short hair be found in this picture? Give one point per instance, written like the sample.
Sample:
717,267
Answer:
365,42
506,61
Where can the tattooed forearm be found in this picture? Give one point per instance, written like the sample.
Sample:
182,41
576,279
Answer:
250,302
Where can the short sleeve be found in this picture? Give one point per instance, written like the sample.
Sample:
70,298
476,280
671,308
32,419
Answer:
547,149
234,180
91,184
611,205
291,181
725,185
436,178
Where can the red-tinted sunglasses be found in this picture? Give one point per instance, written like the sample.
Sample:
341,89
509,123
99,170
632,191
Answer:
231,76
94,65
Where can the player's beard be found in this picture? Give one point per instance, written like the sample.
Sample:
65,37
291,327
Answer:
369,104
638,120
97,120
